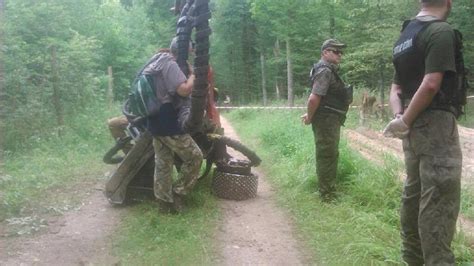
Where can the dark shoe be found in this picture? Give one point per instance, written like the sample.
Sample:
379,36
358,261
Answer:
178,203
166,207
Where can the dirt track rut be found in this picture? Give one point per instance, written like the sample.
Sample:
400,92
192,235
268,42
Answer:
257,231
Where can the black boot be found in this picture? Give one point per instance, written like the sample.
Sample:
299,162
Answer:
166,207
178,203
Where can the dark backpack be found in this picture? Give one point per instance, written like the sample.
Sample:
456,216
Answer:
142,100
142,97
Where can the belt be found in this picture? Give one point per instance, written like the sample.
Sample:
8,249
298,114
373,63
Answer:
335,110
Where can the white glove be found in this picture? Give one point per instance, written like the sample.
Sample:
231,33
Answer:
397,128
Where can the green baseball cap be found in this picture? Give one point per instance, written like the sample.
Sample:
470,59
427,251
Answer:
332,43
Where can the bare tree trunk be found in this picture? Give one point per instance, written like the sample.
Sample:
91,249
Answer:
277,89
276,53
382,77
289,65
2,91
110,91
264,78
56,93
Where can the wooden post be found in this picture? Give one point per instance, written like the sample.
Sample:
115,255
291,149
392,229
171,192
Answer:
289,66
58,108
110,90
264,78
276,53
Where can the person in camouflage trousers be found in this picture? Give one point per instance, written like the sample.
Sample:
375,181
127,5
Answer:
326,110
425,119
173,90
188,151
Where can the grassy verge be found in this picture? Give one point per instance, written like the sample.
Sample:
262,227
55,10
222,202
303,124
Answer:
37,174
362,227
150,238
50,176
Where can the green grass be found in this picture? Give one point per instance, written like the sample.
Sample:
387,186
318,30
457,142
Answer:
34,175
150,238
362,227
47,176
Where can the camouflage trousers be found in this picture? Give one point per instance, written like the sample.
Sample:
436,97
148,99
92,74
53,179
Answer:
184,147
431,193
327,131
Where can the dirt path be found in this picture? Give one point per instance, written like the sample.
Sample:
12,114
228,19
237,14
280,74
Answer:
257,231
80,237
373,145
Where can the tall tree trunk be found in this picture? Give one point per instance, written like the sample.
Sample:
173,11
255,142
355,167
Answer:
382,88
276,53
110,90
2,91
264,78
249,57
381,67
332,21
277,89
289,67
56,93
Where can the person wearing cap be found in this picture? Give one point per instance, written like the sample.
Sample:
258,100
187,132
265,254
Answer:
425,61
326,110
173,89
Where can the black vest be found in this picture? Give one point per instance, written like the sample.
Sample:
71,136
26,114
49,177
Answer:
336,95
409,62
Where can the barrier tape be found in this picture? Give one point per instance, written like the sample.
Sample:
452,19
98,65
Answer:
261,107
286,107
272,107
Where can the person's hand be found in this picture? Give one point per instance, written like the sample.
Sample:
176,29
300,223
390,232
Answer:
305,119
397,128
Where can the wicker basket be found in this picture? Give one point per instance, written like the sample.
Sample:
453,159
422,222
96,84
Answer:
234,186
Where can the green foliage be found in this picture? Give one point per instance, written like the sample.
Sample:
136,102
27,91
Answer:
54,162
362,227
368,27
56,55
91,36
235,57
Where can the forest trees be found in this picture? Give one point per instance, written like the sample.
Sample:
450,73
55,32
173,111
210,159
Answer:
289,35
55,53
